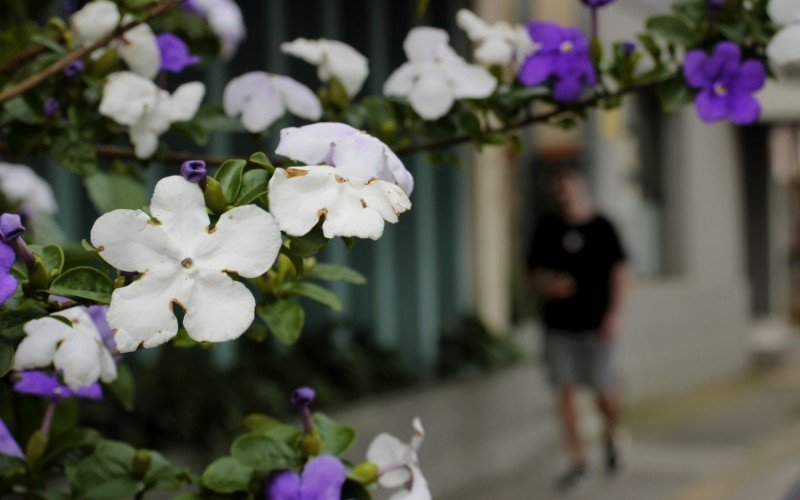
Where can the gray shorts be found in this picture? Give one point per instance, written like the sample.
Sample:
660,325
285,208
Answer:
580,359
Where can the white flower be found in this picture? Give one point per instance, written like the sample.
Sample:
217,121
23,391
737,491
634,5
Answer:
137,47
398,464
20,185
78,352
147,110
784,48
261,98
354,153
435,76
333,59
499,43
183,261
226,22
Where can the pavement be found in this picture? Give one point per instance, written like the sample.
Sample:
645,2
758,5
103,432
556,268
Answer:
737,440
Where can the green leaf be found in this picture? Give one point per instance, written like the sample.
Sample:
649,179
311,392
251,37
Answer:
123,388
229,177
227,475
262,453
673,29
52,257
336,272
113,489
284,319
18,109
314,292
310,243
13,318
6,357
83,283
74,154
336,438
262,159
674,95
254,184
112,191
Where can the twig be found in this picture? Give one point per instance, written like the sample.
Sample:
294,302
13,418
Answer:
21,57
39,78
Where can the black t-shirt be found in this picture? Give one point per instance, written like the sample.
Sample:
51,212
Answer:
587,253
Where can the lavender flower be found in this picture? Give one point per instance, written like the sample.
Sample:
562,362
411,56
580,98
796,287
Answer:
716,4
563,60
303,397
628,48
594,4
175,56
8,446
38,383
11,227
74,68
726,84
8,283
194,171
98,315
322,479
50,107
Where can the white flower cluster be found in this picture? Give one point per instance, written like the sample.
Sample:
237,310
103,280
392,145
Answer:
784,49
348,177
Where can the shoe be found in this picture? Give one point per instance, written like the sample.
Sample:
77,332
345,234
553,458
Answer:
572,479
616,450
612,458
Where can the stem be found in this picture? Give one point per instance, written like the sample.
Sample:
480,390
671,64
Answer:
595,23
47,420
25,253
308,426
39,78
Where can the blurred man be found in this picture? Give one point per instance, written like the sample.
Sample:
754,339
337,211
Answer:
578,265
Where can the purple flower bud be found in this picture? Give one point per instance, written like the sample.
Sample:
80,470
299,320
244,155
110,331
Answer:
175,56
10,227
596,3
74,68
716,4
50,107
628,48
303,397
194,171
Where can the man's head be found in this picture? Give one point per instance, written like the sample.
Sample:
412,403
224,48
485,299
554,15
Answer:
570,189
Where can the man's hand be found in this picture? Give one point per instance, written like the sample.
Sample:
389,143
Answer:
610,326
559,286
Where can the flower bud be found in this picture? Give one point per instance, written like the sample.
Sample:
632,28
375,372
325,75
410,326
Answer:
310,444
366,472
194,171
50,107
628,48
74,68
10,227
716,4
303,397
141,463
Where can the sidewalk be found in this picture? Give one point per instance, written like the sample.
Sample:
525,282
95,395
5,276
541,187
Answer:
739,440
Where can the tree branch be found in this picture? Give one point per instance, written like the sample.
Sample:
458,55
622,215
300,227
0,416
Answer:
39,78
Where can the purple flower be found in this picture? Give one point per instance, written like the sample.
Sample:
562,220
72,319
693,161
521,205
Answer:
194,171
303,397
50,107
8,446
11,227
74,68
562,59
8,283
98,314
322,479
594,4
716,4
628,48
726,84
38,383
175,56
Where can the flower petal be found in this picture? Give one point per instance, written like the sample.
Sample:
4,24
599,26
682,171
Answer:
470,81
181,208
20,184
423,42
419,487
743,108
265,107
784,48
567,90
300,100
239,91
154,293
127,97
129,241
38,347
476,28
323,478
537,69
432,97
95,20
8,446
351,216
784,11
710,106
139,49
185,101
284,486
78,359
218,308
752,76
401,81
387,451
386,199
299,195
694,69
246,240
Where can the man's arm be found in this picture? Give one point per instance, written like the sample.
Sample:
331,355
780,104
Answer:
619,284
552,285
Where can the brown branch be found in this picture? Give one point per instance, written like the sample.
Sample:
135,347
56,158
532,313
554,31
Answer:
21,57
39,78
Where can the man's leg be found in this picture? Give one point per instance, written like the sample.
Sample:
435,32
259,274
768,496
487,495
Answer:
569,425
609,404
